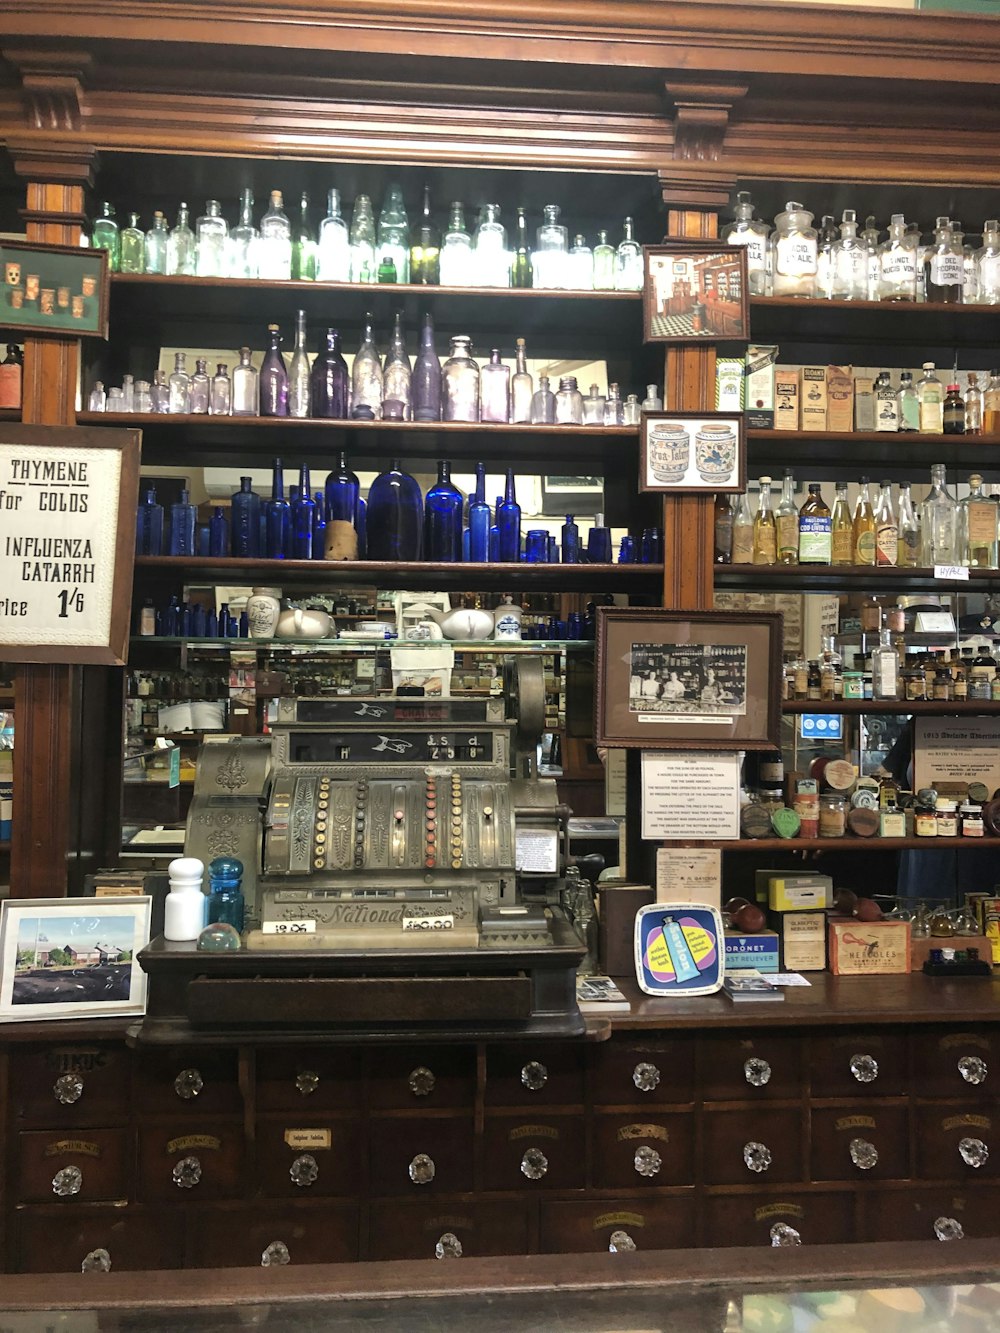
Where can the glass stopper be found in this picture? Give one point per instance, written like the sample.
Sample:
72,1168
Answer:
757,1072
307,1081
422,1169
187,1173
534,1076
948,1228
275,1254
421,1081
646,1077
782,1234
972,1069
864,1068
97,1261
974,1152
304,1171
757,1156
534,1164
864,1155
67,1182
188,1084
620,1242
448,1246
647,1161
68,1088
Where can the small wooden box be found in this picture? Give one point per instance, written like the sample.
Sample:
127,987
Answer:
869,948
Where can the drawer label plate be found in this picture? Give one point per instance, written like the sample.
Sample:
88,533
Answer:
82,1147
188,1141
308,1138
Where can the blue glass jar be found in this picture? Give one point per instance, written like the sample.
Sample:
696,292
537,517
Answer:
395,516
425,381
599,542
279,517
245,530
509,523
443,506
226,902
480,519
651,546
149,525
536,547
303,515
182,518
626,551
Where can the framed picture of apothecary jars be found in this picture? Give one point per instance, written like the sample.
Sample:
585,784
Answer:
695,291
691,452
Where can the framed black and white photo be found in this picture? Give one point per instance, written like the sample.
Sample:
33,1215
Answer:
692,452
695,291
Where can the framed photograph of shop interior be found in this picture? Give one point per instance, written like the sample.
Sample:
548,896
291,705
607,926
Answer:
684,453
60,289
695,291
688,680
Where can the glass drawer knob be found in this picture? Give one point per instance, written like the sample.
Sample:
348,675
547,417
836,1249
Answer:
68,1088
782,1234
422,1169
757,1156
187,1173
864,1068
948,1228
188,1084
421,1081
974,1152
972,1069
534,1076
534,1164
307,1081
67,1182
304,1171
97,1261
647,1161
864,1155
275,1254
448,1246
620,1242
757,1072
646,1077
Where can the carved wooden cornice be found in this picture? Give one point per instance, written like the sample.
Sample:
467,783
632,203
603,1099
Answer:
701,116
56,160
52,83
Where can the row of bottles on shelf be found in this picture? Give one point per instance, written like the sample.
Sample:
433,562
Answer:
11,376
374,389
396,522
940,531
841,262
181,619
885,666
390,250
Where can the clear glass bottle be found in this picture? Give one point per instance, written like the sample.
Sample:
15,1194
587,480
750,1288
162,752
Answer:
509,523
179,385
425,247
520,265
953,411
277,517
182,525
396,373
201,388
480,519
244,261
364,267
787,519
333,249
299,371
329,380
898,263
105,235
543,404
907,403
743,532
946,274
630,272
581,265
211,235
274,247
863,551
631,410
304,245
143,401
395,519
938,522
456,251
973,405
425,382
885,668
870,239
273,377
652,401
220,402
492,259
970,265
181,245
991,405
826,238
794,252
97,399
443,505
156,244
613,408
930,392
751,233
132,247
988,259
460,382
551,256
494,390
842,528
908,548
977,527
886,528
394,233
246,386
569,402
160,392
604,264
303,519
521,387
850,261
366,378
765,528
815,524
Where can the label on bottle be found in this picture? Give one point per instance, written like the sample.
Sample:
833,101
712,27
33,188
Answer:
815,539
10,384
754,246
885,682
982,524
788,534
899,268
931,415
851,268
989,274
886,410
765,544
947,270
886,544
796,256
742,544
864,547
843,546
909,411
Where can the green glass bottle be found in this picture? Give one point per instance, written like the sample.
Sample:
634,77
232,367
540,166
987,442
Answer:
304,246
105,236
520,269
132,246
387,269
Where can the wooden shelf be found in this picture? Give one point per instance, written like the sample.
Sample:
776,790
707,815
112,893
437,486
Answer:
363,645
848,843
902,454
923,324
848,578
932,707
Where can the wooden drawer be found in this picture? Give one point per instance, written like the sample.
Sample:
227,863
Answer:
217,1147
335,1145
44,1082
910,1214
727,1133
511,1144
58,1240
434,1076
940,1132
835,1056
534,1074
413,1230
101,1156
308,1078
187,1082
825,1218
728,1064
941,1056
885,1128
642,1073
396,1141
324,1233
634,1153
569,1227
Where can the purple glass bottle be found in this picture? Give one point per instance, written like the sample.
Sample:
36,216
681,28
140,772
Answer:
330,380
274,378
425,384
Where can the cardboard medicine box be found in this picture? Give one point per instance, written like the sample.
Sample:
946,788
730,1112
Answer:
803,941
786,398
864,402
813,409
758,951
839,398
868,948
799,893
729,384
759,388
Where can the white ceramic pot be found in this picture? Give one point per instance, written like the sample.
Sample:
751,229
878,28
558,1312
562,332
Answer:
294,623
263,609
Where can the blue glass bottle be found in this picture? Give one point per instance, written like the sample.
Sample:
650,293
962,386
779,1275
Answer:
626,551
651,546
480,519
218,532
244,626
182,516
443,506
170,619
495,533
226,902
149,525
509,523
202,540
211,623
197,621
570,542
329,381
273,378
303,514
425,381
395,517
599,542
341,493
319,526
362,527
279,517
245,510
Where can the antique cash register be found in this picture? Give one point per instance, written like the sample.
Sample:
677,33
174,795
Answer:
404,868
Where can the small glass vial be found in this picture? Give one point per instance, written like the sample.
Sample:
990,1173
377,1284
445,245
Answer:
652,401
954,411
220,403
246,386
593,407
543,404
200,388
569,403
495,390
613,407
97,398
973,405
832,815
142,399
581,265
180,386
631,410
604,264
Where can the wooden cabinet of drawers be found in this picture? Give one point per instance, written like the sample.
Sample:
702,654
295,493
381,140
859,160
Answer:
545,1152
301,1156
237,1237
655,1072
913,1213
758,1067
661,1223
428,1230
822,1218
860,1063
308,1078
752,1147
536,1074
86,1167
870,1141
961,1063
67,1084
58,1240
187,1162
632,1151
422,1077
950,1139
419,1155
197,1082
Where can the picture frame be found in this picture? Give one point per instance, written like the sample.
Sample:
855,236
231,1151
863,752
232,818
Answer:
688,680
57,289
689,453
72,957
695,292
